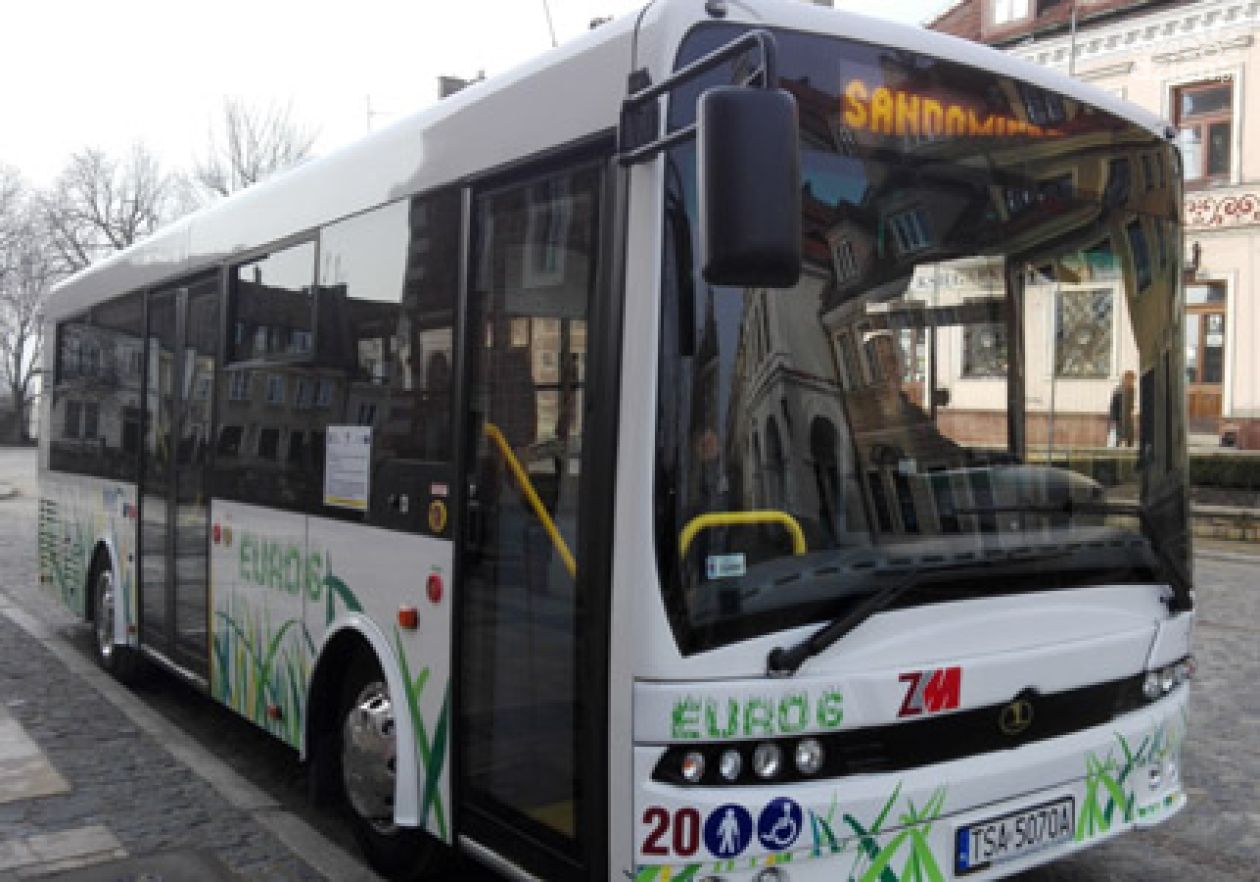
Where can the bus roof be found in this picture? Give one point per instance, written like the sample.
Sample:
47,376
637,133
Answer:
493,123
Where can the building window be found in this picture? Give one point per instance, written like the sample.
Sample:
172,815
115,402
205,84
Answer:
1083,334
1042,108
323,393
73,419
1141,254
272,305
275,389
91,416
268,443
1119,184
239,389
911,230
984,351
1204,114
845,261
1005,12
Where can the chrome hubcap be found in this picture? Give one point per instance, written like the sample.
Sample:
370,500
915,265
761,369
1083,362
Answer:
105,615
368,752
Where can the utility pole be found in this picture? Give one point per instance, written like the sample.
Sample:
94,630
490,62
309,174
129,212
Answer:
550,27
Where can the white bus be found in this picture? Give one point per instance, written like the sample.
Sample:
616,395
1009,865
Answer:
746,443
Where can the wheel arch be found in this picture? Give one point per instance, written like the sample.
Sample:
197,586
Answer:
106,548
357,634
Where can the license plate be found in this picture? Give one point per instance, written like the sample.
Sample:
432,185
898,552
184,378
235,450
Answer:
1013,835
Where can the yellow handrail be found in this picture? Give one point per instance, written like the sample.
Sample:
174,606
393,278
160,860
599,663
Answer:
740,518
531,496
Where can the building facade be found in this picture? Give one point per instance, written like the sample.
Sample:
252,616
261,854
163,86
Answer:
1198,65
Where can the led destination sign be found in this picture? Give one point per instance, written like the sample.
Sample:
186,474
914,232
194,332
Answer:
885,111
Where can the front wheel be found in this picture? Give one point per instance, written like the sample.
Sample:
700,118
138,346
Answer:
119,661
367,755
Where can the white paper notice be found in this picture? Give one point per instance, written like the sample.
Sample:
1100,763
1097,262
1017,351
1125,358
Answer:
347,466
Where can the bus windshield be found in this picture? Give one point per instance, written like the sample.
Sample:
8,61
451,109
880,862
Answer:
973,390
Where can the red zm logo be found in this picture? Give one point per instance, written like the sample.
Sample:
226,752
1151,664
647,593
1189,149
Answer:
930,692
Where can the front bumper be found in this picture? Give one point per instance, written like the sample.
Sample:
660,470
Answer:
903,826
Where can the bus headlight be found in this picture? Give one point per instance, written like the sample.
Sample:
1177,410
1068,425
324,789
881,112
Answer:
767,760
730,765
693,767
1162,681
771,874
809,756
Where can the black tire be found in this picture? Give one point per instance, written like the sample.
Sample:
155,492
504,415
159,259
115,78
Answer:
365,774
120,662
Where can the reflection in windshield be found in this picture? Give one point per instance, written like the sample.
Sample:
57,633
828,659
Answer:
977,357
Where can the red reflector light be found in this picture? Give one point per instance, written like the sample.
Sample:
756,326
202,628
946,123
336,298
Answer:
275,712
408,617
217,532
434,588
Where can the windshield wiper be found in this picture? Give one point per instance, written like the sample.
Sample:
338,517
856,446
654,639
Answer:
784,662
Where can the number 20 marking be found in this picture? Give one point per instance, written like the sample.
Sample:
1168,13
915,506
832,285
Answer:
686,831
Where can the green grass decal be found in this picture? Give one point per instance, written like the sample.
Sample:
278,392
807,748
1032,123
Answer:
666,874
920,864
256,667
824,831
335,588
432,753
66,554
1107,785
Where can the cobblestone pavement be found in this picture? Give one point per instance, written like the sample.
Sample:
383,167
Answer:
145,797
152,802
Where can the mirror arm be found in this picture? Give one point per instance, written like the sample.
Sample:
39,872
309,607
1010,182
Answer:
634,135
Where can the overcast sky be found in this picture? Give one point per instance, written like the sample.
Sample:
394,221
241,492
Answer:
76,73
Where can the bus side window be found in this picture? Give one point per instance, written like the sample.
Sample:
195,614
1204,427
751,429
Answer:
96,405
265,393
388,281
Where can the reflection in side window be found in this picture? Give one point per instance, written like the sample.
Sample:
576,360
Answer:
271,305
366,342
96,403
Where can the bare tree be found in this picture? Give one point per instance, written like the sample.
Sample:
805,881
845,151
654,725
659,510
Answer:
100,204
250,143
27,270
12,200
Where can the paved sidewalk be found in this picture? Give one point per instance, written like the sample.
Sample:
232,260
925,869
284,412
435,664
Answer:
82,784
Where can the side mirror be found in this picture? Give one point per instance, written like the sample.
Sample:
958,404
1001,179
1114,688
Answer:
750,187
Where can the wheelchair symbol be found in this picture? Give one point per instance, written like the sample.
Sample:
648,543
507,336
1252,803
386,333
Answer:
779,824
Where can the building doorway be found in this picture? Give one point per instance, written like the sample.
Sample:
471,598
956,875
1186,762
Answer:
1205,355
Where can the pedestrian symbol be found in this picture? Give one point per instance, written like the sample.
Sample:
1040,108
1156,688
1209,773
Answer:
779,824
728,830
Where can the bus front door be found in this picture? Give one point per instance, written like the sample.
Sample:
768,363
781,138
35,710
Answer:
528,686
183,332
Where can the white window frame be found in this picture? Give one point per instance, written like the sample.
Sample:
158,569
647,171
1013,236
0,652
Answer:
998,7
